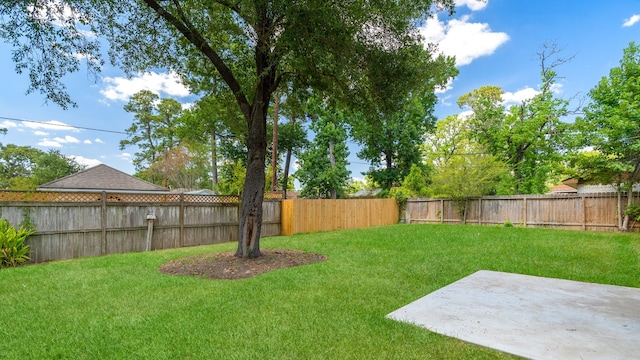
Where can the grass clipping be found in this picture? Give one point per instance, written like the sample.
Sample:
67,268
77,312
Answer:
226,266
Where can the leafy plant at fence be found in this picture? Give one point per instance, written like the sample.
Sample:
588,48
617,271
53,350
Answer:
27,222
13,250
633,211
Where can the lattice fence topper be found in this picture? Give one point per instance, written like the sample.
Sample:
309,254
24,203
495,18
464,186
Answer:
54,196
47,196
224,199
273,195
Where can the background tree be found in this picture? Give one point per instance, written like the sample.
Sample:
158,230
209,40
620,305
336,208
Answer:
462,167
292,138
611,126
232,178
292,135
25,167
391,132
245,45
182,167
141,131
414,185
528,136
153,130
323,165
216,124
54,165
468,176
16,166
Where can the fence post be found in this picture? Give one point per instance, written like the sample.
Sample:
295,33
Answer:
524,211
479,211
103,223
584,213
181,219
441,211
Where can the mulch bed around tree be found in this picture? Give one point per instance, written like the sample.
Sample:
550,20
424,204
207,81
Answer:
226,266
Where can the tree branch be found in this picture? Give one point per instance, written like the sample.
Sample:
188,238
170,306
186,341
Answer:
184,26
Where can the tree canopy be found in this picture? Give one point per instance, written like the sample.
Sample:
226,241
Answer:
347,49
611,127
528,137
25,167
323,164
392,130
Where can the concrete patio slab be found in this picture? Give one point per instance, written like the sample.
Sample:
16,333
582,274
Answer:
533,317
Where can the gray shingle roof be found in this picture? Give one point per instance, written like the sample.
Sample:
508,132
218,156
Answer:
103,178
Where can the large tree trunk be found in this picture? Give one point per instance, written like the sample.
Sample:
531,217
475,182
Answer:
255,113
253,190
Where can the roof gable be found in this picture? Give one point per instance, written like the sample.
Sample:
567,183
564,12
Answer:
101,178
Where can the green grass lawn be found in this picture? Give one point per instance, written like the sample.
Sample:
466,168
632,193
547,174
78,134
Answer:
122,307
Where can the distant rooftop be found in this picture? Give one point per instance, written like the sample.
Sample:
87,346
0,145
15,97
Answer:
101,178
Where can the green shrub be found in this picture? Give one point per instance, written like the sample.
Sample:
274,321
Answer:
633,211
508,224
13,251
401,194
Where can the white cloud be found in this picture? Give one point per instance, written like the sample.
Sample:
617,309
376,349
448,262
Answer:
85,161
67,139
631,21
49,125
40,133
465,40
8,124
99,141
121,88
444,100
519,96
88,142
556,88
49,143
473,5
125,156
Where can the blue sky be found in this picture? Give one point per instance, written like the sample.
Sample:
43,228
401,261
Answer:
495,43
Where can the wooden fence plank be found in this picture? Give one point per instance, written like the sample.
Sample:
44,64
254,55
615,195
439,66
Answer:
304,216
583,211
77,224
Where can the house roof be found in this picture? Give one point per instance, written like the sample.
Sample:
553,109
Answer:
101,178
563,188
572,182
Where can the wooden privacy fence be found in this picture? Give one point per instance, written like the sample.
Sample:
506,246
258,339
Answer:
580,211
305,216
73,225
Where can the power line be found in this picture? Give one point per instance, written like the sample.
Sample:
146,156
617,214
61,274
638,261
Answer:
63,125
